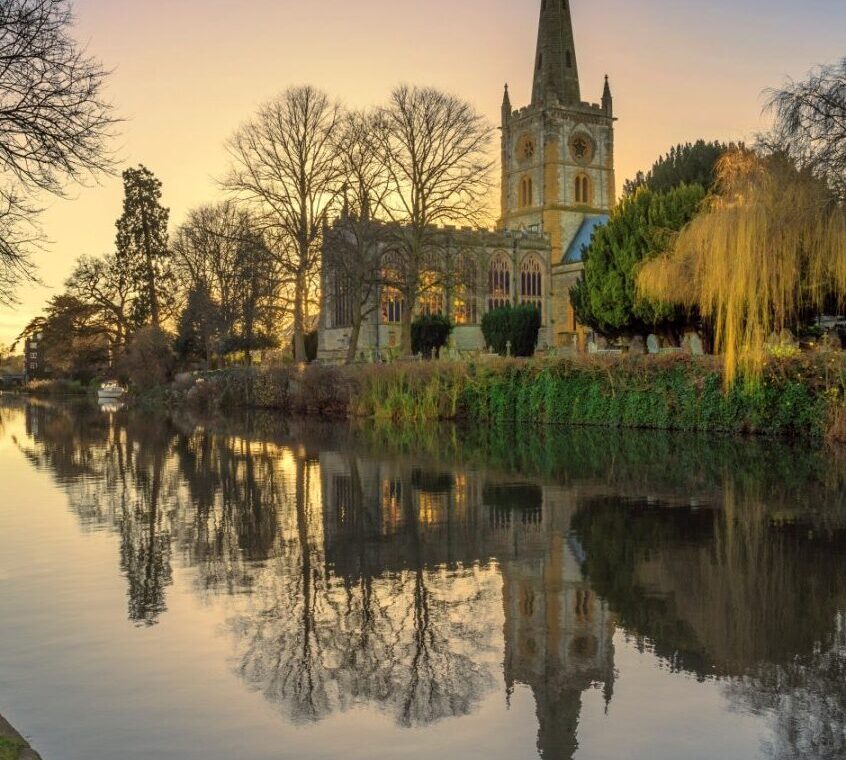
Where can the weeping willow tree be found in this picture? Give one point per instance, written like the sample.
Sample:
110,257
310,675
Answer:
768,247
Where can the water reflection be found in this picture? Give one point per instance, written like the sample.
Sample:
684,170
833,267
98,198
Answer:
418,572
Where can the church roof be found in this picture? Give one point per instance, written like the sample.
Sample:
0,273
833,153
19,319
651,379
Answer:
576,250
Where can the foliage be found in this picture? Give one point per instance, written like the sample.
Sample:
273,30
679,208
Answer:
518,326
10,749
142,245
429,334
687,164
200,324
641,227
55,124
73,342
811,124
221,251
149,359
769,246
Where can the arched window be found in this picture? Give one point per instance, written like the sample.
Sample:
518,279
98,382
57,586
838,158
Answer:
569,57
499,285
526,192
583,189
531,282
464,310
393,301
431,301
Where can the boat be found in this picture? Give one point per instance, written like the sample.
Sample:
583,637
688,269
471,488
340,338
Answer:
111,392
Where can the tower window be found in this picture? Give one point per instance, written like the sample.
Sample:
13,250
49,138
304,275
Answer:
569,57
540,61
583,189
526,192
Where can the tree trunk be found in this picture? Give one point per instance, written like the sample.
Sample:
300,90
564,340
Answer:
407,318
352,349
299,318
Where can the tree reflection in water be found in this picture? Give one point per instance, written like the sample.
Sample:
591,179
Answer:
405,570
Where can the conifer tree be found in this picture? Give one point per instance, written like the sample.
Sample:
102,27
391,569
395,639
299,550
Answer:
142,244
640,228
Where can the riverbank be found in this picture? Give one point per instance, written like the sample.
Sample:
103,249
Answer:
12,745
802,397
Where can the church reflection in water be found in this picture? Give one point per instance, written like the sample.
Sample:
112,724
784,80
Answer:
419,576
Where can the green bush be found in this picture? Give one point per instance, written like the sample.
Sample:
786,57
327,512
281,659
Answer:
429,334
515,325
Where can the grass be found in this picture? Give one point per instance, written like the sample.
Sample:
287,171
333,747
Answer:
799,396
10,749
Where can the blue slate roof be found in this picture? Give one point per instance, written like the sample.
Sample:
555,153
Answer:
575,253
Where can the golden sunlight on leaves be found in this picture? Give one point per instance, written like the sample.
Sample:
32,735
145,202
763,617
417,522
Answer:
769,246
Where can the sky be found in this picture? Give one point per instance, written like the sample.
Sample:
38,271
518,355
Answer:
187,73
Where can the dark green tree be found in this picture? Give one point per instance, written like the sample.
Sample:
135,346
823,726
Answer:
640,228
142,243
688,164
200,327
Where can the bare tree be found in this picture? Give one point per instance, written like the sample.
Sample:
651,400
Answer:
811,123
105,284
434,148
285,163
354,247
221,251
206,249
54,124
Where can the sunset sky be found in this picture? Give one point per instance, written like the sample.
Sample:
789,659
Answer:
187,72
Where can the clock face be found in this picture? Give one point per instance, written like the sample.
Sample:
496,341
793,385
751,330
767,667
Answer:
581,146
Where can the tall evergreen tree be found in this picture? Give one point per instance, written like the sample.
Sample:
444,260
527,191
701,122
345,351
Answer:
688,164
142,244
641,227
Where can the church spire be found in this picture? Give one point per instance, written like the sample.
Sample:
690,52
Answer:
556,70
506,106
607,100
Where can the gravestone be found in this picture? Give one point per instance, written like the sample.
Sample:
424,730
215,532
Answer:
693,344
653,345
637,345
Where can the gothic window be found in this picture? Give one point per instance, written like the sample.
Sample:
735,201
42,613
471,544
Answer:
393,306
531,282
432,301
342,312
499,285
526,192
583,189
464,311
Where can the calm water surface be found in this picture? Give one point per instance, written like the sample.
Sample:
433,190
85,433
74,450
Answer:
249,588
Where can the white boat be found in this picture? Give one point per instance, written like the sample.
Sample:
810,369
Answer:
111,392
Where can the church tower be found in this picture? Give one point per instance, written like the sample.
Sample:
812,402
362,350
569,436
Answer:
558,162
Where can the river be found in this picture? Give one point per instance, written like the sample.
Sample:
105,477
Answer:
260,589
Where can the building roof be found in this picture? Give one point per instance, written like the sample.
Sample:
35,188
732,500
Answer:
575,252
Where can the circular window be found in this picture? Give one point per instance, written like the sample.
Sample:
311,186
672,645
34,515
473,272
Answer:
526,148
582,148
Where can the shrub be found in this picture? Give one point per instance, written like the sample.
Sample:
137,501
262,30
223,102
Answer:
517,325
429,334
149,359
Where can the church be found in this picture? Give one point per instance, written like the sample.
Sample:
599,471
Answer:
557,186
